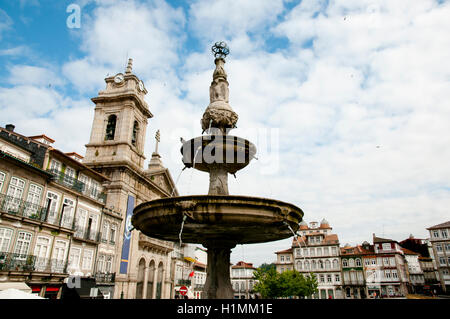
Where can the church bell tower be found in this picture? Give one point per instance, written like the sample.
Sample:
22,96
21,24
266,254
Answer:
120,122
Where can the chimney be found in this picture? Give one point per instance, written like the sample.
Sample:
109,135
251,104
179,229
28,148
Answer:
10,127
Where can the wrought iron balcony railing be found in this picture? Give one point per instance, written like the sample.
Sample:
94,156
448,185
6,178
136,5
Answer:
184,282
18,207
77,185
86,233
105,278
29,263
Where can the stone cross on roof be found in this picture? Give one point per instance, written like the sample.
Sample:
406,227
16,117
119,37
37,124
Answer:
158,139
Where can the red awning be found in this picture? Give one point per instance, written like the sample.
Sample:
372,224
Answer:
36,288
52,289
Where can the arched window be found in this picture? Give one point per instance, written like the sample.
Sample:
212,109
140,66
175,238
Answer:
299,265
344,263
351,262
307,265
313,264
320,264
335,264
358,262
135,133
327,264
111,127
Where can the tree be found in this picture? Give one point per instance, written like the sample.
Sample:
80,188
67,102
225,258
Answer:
271,284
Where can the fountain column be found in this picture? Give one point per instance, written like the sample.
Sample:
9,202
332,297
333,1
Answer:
218,283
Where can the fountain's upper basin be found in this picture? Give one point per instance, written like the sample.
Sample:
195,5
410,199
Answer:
229,152
217,218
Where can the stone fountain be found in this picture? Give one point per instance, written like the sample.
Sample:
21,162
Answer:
218,221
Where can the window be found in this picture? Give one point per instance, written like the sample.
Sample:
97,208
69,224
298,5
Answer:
67,213
344,263
100,263
69,176
386,261
312,252
52,207
326,251
135,133
319,251
386,246
447,247
444,233
22,244
105,230
320,264
367,262
351,262
307,266
442,261
358,262
111,127
374,261
327,264
305,252
392,261
438,247
435,234
322,278
394,273
81,222
334,251
337,278
15,191
335,264
298,252
299,265
87,259
55,166
74,258
33,199
108,265
41,251
5,239
313,264
387,274
59,251
281,258
329,279
2,180
288,258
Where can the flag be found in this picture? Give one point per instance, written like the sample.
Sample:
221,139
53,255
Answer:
191,274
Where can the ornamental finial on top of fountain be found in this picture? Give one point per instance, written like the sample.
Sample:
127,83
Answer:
219,114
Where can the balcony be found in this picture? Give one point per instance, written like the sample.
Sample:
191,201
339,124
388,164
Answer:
84,233
184,282
162,245
30,263
16,206
105,278
76,185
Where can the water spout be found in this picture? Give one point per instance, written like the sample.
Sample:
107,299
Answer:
181,229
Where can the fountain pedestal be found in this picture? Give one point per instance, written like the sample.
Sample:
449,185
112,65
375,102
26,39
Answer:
218,284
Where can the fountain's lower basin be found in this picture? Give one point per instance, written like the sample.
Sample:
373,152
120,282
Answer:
217,218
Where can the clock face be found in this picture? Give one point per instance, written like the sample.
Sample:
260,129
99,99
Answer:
141,86
118,78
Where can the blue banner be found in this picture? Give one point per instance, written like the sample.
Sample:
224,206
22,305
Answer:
127,236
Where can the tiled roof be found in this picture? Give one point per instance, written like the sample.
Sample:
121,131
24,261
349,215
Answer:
286,251
242,264
443,225
409,252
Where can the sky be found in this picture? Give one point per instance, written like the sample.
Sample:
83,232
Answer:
346,101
